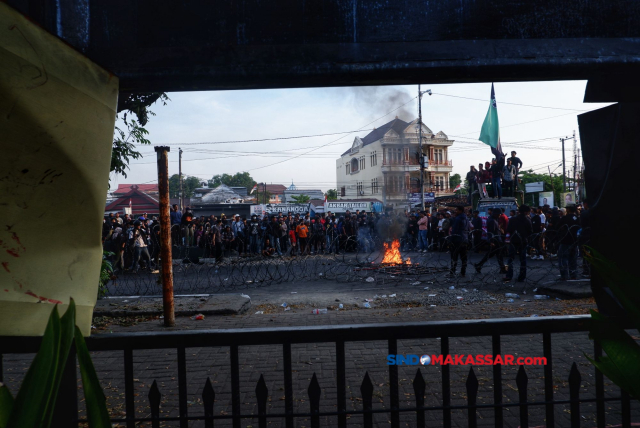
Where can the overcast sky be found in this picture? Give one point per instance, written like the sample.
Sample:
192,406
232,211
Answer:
209,117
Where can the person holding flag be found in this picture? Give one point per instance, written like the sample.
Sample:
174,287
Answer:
490,135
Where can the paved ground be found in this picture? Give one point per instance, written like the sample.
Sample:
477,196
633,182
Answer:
361,357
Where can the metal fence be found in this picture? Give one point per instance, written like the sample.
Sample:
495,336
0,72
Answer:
235,339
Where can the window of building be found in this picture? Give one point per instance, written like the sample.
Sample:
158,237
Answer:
374,186
374,159
359,188
396,184
354,165
348,168
438,155
440,182
362,162
342,191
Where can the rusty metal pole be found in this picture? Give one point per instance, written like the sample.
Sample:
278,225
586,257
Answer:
165,236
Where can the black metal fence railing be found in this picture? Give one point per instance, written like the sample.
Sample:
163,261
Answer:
234,339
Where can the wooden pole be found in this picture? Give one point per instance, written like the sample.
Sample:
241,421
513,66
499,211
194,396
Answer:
165,236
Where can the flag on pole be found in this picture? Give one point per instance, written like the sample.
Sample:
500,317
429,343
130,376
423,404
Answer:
325,198
458,187
255,187
129,203
490,132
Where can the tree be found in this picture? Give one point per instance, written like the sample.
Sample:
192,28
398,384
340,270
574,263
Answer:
454,180
124,141
301,199
189,184
239,179
332,194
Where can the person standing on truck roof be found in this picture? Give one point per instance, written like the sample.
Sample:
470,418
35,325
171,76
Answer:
496,177
515,161
472,176
509,176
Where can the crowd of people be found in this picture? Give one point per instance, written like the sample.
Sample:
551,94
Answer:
500,174
537,233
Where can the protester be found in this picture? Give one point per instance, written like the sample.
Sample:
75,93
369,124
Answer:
509,173
568,244
517,163
459,240
423,230
496,243
518,233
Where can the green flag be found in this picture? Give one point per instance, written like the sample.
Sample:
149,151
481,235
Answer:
490,133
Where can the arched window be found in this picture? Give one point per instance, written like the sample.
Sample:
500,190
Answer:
354,165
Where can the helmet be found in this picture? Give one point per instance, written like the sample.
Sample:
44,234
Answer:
137,223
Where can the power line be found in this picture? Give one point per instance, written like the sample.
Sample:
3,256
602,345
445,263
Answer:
297,156
504,102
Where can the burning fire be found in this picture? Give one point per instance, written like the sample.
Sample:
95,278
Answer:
392,254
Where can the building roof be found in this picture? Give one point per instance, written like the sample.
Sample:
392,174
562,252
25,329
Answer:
398,125
147,188
274,189
219,195
141,202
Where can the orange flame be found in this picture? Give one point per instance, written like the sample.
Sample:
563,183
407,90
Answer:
392,254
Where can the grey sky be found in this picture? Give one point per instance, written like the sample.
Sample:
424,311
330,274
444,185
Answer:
195,117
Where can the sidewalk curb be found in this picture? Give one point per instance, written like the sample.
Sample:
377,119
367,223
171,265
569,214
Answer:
222,311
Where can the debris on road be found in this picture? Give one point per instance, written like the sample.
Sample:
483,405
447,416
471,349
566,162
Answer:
370,279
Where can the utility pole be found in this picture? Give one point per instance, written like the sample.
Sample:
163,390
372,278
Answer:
165,236
564,170
575,162
422,157
180,175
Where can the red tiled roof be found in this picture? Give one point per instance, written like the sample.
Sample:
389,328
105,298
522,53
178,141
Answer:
140,203
274,189
125,188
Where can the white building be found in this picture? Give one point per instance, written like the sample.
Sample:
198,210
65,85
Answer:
385,163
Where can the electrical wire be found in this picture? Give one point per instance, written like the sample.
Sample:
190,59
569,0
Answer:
504,102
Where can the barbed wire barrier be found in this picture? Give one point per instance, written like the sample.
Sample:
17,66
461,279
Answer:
198,270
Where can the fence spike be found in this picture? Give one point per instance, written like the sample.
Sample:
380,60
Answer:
262,393
574,395
314,401
366,389
154,401
208,398
472,395
419,387
522,380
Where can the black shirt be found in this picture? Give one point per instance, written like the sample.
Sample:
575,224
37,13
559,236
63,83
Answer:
515,161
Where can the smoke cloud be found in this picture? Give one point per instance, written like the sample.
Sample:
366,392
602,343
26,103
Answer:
375,101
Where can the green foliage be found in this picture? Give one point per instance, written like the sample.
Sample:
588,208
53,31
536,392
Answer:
332,194
189,184
553,183
35,402
301,199
106,270
124,141
454,180
239,179
622,352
